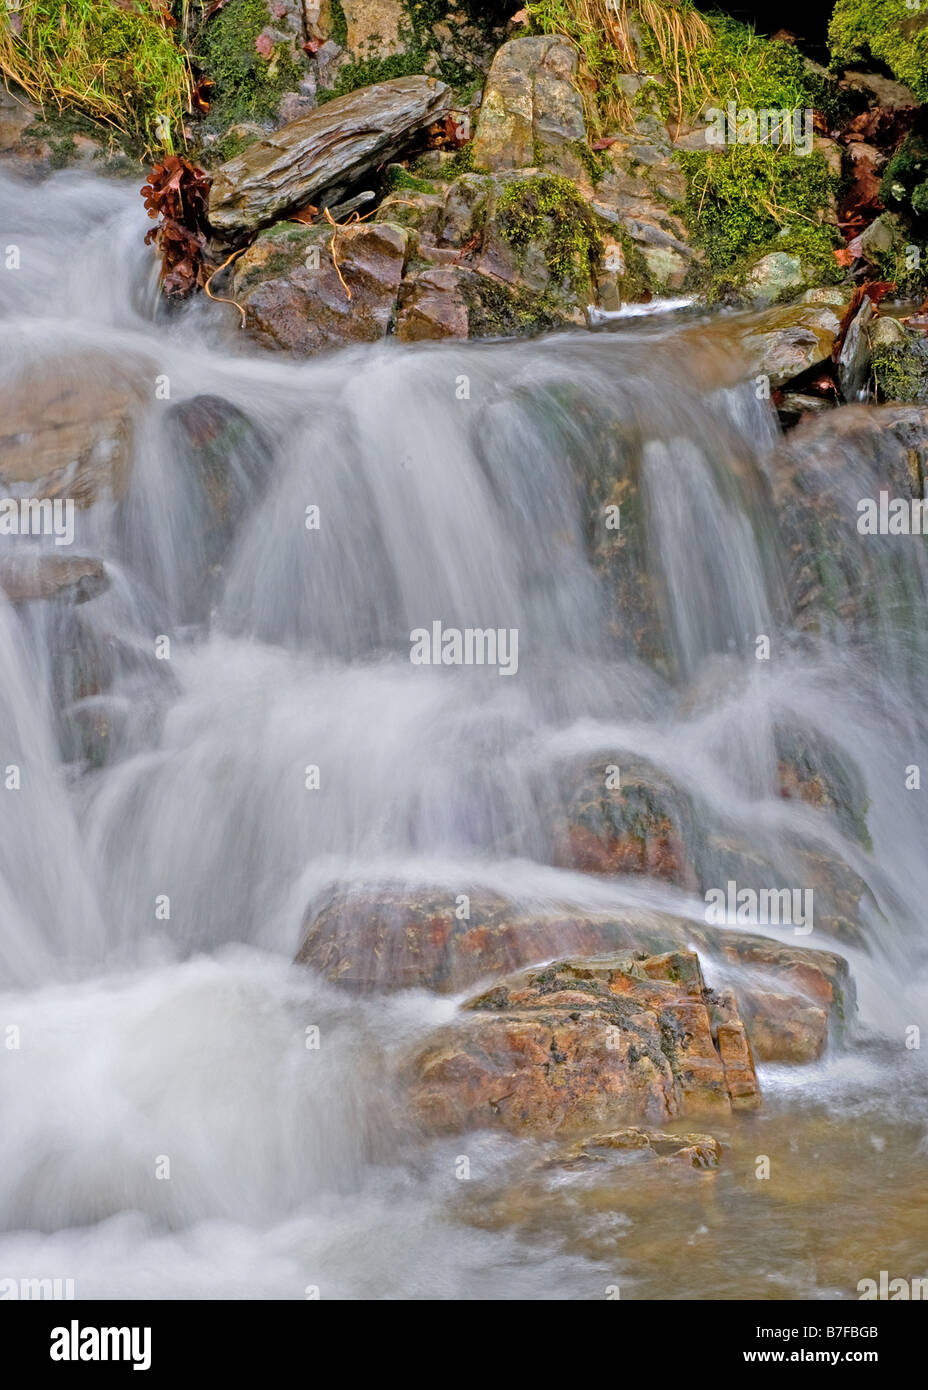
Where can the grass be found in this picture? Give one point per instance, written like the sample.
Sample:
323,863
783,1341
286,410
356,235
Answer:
118,66
602,31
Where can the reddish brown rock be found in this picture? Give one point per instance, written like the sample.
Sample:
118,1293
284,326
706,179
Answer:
298,298
587,1045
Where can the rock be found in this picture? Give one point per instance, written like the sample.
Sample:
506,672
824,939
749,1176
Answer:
792,998
530,103
836,577
854,358
643,825
26,578
826,294
794,405
293,295
588,1044
783,342
881,91
694,1150
432,306
223,460
899,361
374,27
67,428
877,239
318,157
887,333
773,276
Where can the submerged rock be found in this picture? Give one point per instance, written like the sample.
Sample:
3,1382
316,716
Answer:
587,1044
27,578
694,1150
68,426
318,156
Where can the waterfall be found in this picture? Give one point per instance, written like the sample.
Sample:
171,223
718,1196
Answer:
263,742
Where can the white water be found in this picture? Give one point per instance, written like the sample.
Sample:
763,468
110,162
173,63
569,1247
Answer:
141,1038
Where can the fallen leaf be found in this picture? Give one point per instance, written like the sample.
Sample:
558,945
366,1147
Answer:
265,45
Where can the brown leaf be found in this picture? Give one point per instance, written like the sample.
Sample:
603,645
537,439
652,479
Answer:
265,45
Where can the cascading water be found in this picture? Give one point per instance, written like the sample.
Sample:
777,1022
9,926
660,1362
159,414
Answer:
451,485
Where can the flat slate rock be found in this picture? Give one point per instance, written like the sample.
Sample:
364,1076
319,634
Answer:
323,152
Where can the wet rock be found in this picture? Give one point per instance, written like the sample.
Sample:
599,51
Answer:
584,1045
293,293
836,576
67,428
693,1150
28,578
319,156
530,104
813,770
781,343
223,461
854,358
876,239
635,821
792,999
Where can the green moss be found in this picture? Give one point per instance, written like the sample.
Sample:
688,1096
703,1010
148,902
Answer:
814,246
901,373
339,24
366,71
502,311
248,87
739,198
399,179
461,162
547,209
905,263
885,30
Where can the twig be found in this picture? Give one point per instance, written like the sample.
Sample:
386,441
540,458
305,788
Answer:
219,298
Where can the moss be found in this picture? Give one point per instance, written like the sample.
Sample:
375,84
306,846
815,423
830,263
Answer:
461,162
738,199
366,71
248,86
502,311
901,373
339,24
117,153
905,263
814,246
547,209
885,30
399,179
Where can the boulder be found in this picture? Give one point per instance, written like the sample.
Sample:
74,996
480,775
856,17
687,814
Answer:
317,157
299,297
587,1044
385,937
531,105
